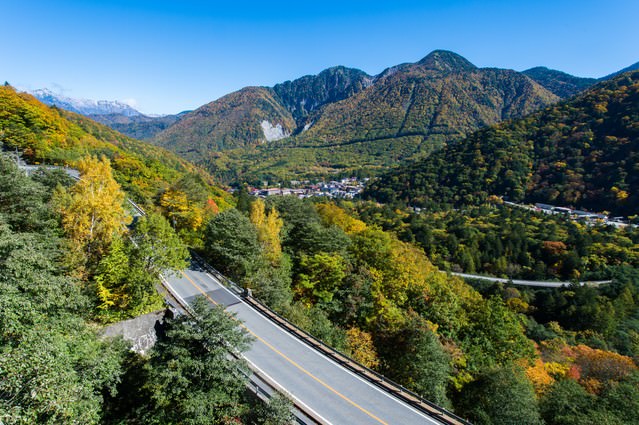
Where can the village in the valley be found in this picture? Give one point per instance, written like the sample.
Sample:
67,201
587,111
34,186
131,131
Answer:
346,188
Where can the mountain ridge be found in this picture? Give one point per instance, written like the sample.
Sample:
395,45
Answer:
141,127
582,152
633,67
47,134
84,106
558,82
446,61
406,110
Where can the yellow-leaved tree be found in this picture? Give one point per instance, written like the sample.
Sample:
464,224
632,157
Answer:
92,211
268,230
176,205
331,215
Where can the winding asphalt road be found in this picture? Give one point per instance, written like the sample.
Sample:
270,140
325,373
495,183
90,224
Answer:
540,283
333,393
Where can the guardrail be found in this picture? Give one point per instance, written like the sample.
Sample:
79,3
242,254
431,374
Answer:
256,380
262,384
531,283
406,395
136,207
259,380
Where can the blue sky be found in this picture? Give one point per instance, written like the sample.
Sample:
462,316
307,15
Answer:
169,56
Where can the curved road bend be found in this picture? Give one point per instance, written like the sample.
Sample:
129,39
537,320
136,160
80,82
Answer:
540,283
333,393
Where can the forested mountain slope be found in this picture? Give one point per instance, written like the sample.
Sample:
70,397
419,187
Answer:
633,67
245,117
307,95
562,84
343,120
582,152
437,99
54,136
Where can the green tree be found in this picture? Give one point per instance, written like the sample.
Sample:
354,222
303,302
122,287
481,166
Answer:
415,357
303,231
51,178
126,277
230,242
494,336
272,284
53,375
500,396
111,276
622,399
277,411
156,247
192,379
320,276
243,199
21,199
566,403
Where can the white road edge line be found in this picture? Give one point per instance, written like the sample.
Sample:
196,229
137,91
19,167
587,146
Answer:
285,392
172,290
397,400
253,365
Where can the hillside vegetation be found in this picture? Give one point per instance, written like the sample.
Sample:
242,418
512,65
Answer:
439,98
149,174
232,121
55,366
307,95
343,120
355,276
582,152
562,84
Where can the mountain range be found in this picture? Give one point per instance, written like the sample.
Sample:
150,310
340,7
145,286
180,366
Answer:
345,121
583,152
84,106
113,113
141,127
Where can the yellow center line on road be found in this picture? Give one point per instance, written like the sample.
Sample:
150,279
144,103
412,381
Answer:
285,357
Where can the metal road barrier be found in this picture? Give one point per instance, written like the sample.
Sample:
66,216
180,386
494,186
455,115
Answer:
265,387
399,391
261,384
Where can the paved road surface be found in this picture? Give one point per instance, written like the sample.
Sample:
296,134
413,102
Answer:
540,283
335,394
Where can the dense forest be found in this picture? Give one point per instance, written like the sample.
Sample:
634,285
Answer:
562,84
495,354
61,279
515,243
345,120
581,152
501,240
364,277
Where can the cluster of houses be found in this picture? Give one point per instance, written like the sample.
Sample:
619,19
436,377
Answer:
346,188
580,215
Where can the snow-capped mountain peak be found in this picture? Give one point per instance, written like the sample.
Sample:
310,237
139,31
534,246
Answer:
84,106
